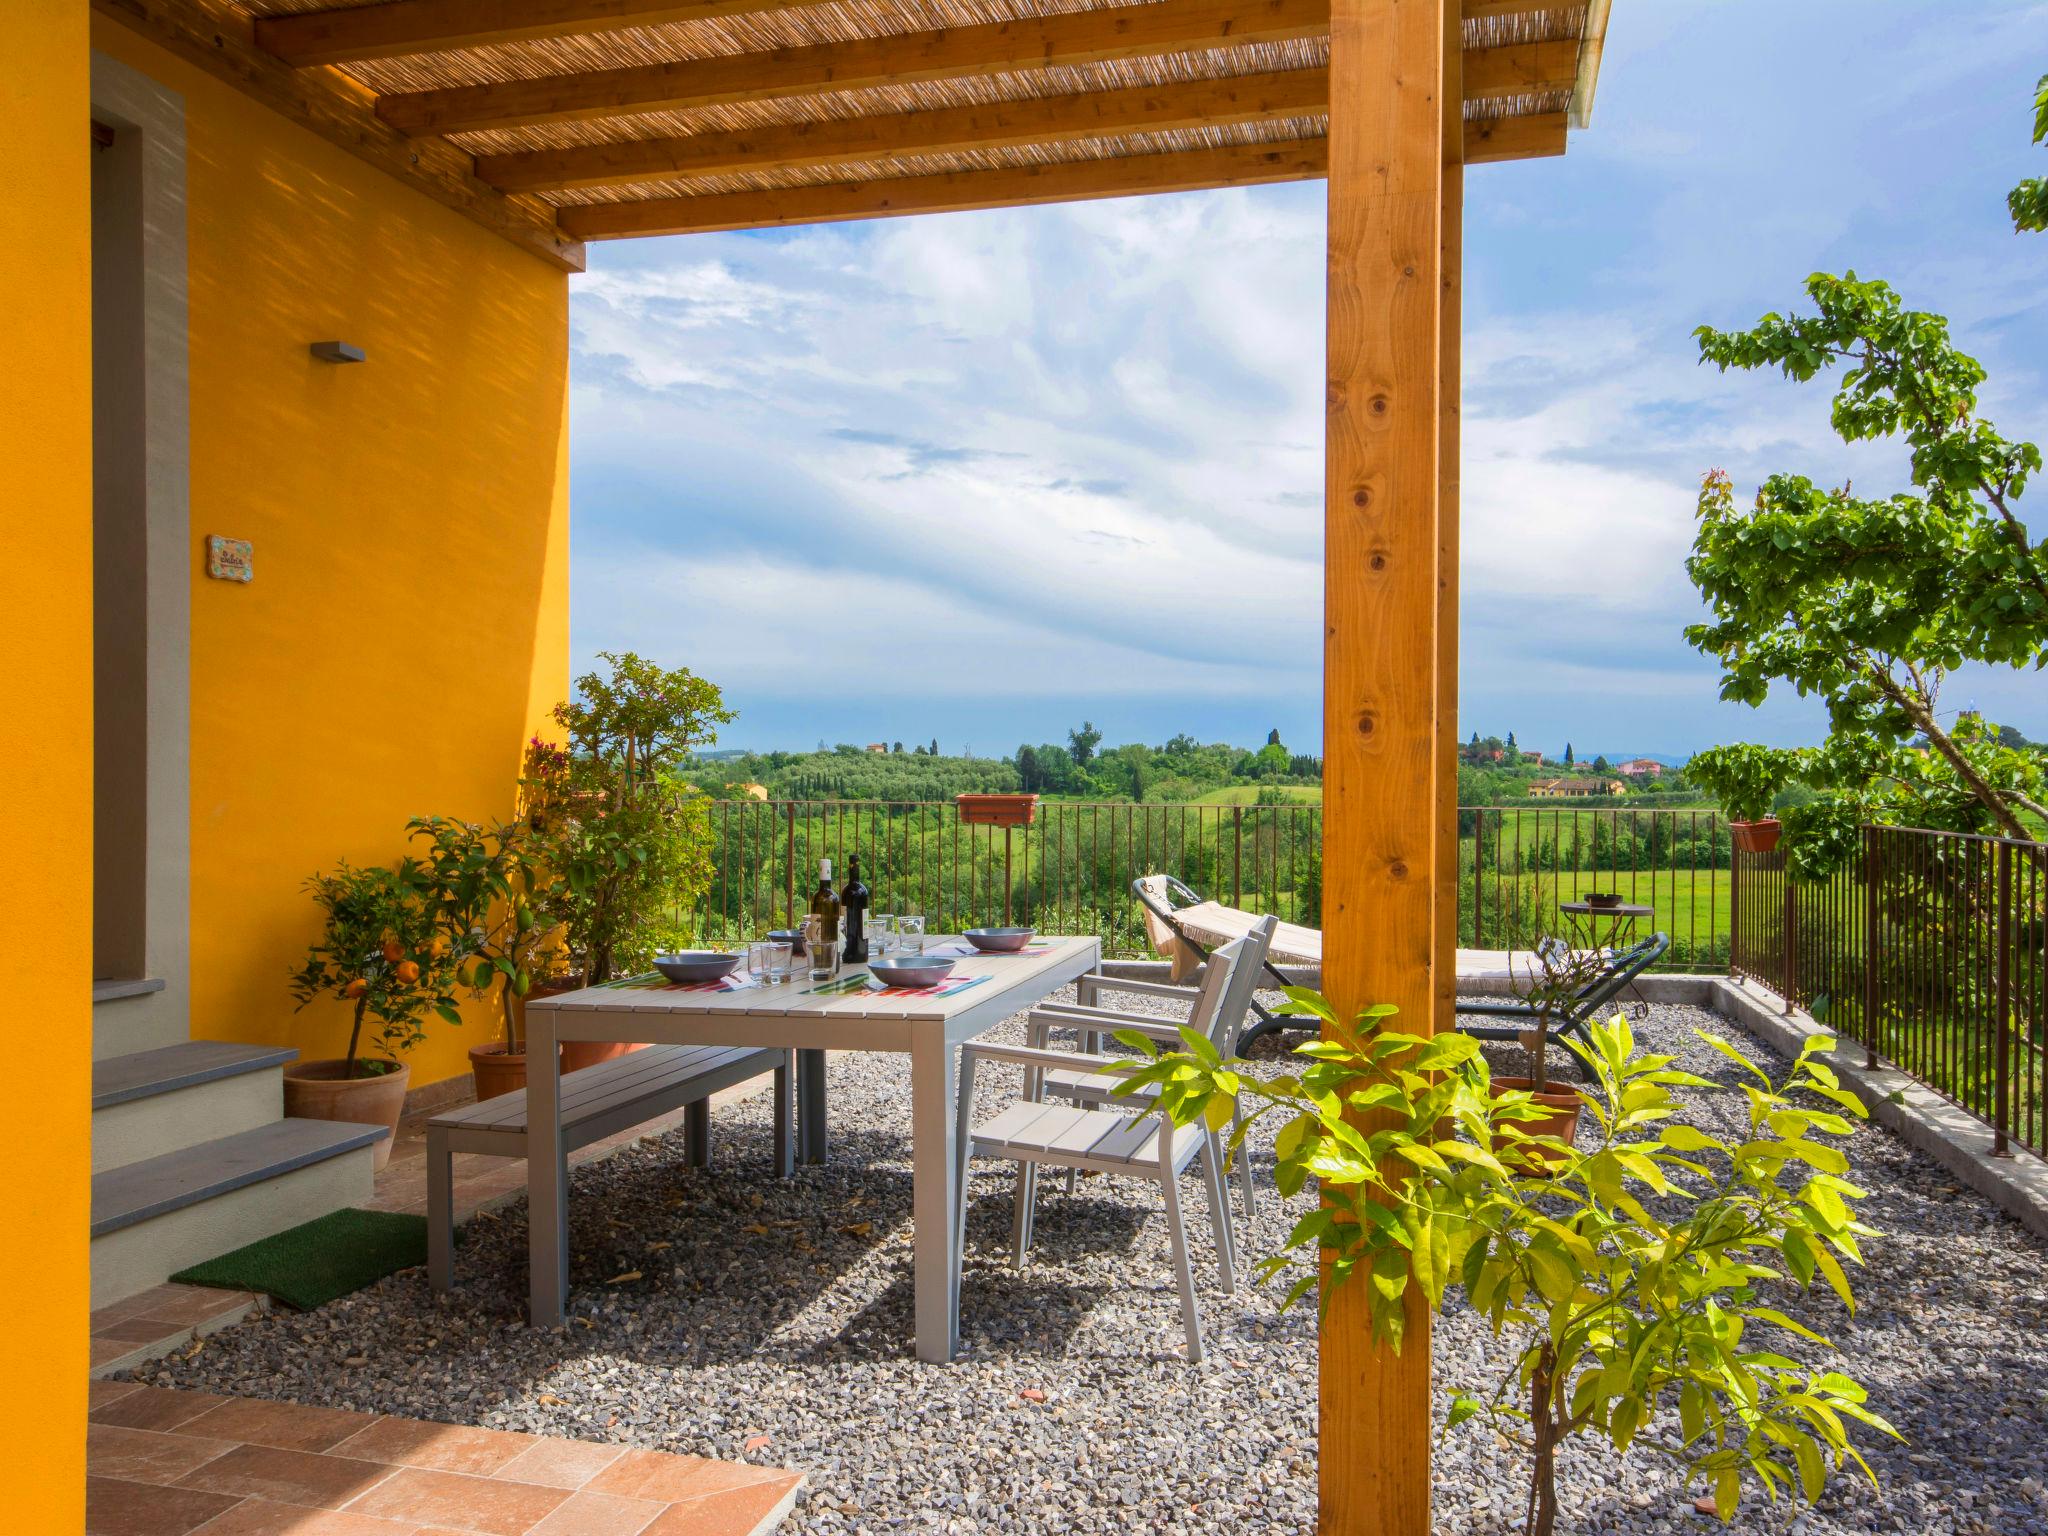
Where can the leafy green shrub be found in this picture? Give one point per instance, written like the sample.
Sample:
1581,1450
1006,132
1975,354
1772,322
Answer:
1631,1276
384,952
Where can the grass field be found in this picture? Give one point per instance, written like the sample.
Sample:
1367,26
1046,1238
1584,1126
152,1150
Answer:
1248,794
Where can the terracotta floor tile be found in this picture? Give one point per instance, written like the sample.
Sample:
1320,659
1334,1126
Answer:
442,1447
734,1512
157,1408
260,1517
599,1514
117,1508
561,1463
288,1477
98,1394
194,1303
142,1329
484,1504
288,1426
146,1455
104,1352
659,1475
134,1306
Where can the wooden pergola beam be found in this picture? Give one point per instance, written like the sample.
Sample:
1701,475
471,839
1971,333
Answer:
218,38
1491,139
1520,69
952,192
1038,42
1381,611
947,130
403,27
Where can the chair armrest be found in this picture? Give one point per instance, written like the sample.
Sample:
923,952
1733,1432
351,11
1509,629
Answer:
1030,1056
1103,1021
1094,984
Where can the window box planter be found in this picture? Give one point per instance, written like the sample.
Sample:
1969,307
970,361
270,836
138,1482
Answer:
1754,836
997,810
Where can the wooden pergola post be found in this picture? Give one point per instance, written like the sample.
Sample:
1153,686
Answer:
1383,697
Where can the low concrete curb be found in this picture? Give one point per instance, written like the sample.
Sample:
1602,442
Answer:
1916,1114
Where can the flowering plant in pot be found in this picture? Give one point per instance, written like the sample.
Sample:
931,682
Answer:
493,898
1639,1281
383,952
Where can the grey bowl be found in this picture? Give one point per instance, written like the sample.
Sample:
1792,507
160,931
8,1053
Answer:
911,970
1000,941
697,965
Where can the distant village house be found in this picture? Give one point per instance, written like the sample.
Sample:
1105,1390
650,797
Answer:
1640,768
1572,789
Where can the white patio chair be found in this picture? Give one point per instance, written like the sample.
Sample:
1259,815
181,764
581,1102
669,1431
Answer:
1099,1088
1084,1138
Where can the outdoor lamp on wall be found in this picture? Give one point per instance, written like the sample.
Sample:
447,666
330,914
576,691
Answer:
337,352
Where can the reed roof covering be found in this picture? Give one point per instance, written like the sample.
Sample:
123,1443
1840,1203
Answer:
618,117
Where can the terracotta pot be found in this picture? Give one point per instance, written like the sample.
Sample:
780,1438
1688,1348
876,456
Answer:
1562,1121
322,1090
1754,836
497,1070
997,810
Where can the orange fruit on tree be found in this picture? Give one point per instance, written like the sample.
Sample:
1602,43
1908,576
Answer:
408,972
355,988
393,951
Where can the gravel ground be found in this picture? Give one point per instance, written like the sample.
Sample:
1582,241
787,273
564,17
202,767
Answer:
711,1310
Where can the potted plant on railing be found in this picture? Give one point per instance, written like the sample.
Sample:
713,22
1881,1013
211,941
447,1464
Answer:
383,952
1640,1281
997,810
493,899
1746,779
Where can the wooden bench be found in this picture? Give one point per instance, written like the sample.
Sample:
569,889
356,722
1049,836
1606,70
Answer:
597,1102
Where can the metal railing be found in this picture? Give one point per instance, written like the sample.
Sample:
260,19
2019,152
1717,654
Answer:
1516,864
1071,869
1929,949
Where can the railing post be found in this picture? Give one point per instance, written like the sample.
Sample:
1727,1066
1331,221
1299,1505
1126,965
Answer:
1735,967
1790,973
1478,880
1237,856
789,871
1870,932
2002,1048
1007,830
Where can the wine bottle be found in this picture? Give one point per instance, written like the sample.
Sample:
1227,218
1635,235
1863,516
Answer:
825,906
853,905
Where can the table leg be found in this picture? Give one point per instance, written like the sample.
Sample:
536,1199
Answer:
547,1175
933,1192
813,1131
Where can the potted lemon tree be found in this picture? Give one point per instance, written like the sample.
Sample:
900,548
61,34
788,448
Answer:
382,952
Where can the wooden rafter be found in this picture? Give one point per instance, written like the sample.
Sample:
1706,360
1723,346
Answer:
1490,139
952,192
1520,69
219,39
1080,37
404,27
947,130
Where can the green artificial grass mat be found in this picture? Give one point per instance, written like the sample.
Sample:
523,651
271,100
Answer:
308,1266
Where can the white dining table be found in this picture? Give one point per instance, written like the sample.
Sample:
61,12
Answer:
852,1012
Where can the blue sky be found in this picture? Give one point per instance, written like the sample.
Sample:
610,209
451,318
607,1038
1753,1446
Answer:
977,476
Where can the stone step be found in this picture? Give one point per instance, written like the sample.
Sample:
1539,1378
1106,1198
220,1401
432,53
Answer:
148,1103
157,1216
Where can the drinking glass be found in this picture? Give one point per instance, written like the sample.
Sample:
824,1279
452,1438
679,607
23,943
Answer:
824,954
769,961
910,934
881,934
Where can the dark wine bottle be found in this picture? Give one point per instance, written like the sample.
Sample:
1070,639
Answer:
853,905
825,906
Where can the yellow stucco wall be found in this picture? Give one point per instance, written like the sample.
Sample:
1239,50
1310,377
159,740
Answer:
407,627
46,769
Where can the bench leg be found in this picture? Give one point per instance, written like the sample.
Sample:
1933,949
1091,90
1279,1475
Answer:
785,1139
697,1133
440,1214
812,1138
